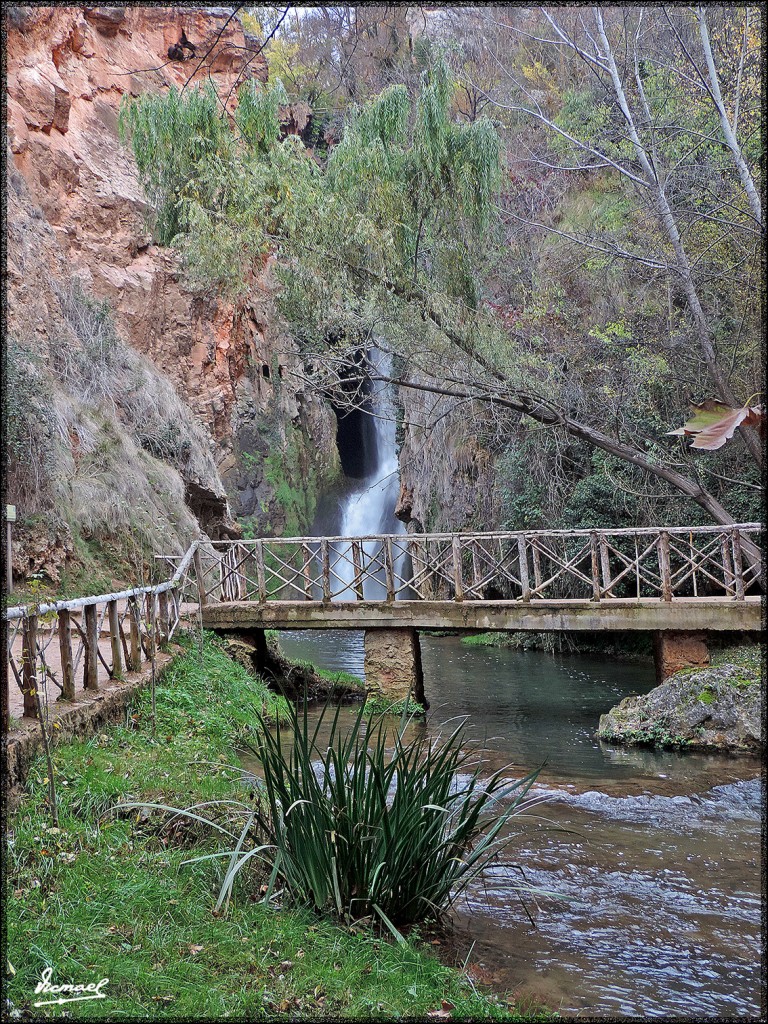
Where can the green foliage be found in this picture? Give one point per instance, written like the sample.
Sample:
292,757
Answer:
175,135
258,113
29,424
288,470
393,835
650,736
376,705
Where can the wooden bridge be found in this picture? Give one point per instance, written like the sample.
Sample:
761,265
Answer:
678,583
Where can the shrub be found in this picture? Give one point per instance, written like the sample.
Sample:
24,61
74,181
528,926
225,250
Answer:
353,829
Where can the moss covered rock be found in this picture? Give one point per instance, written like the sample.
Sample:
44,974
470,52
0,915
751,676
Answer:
713,709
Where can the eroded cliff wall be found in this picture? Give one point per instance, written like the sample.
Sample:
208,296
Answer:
447,474
198,395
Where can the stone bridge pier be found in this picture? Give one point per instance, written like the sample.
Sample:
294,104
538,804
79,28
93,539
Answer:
393,665
676,649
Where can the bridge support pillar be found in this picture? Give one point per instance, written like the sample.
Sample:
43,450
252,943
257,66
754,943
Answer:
393,664
675,650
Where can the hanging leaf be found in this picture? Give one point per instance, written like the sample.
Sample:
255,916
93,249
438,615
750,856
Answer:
713,423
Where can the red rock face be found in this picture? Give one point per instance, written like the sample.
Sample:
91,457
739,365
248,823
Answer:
68,71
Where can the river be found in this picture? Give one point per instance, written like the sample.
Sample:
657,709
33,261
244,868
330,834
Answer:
655,857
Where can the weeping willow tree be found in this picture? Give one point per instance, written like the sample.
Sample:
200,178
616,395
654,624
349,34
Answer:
206,174
406,194
386,240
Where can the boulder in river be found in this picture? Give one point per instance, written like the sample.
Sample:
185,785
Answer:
716,709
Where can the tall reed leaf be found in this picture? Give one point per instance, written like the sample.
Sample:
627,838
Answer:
362,824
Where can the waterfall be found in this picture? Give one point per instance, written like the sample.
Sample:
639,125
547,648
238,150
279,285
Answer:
370,509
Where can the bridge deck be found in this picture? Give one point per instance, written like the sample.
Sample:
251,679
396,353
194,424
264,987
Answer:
619,614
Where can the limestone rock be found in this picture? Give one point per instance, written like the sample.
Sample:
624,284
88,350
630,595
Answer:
712,709
106,20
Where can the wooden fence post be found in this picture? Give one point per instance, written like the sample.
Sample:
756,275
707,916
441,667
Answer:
357,562
389,569
202,597
65,647
163,625
29,666
738,568
133,620
91,654
260,574
605,566
664,567
522,557
595,550
458,583
728,574
114,637
325,558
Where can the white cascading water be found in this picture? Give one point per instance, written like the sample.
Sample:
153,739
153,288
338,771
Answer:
371,509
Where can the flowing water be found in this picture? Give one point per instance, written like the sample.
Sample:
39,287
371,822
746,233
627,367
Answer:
366,504
655,857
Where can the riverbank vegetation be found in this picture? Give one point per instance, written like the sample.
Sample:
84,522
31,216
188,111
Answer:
633,647
120,893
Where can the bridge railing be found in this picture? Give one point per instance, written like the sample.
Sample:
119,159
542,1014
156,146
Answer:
663,564
50,646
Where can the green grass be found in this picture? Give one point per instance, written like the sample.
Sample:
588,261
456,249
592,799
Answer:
377,705
107,895
609,645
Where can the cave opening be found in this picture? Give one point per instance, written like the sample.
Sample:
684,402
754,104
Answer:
355,427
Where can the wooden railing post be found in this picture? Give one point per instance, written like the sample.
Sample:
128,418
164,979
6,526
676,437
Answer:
29,666
664,567
202,597
260,574
389,569
357,562
605,566
91,653
522,557
738,568
134,663
65,648
729,578
305,568
325,559
595,551
151,625
114,637
458,583
163,623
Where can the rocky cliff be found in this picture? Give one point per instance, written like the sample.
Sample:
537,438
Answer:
195,396
446,466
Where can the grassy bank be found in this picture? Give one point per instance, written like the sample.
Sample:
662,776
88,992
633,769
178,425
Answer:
107,895
637,647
